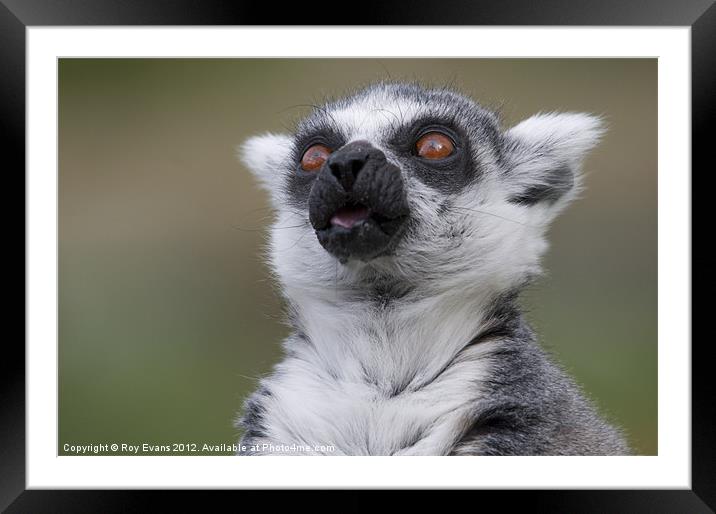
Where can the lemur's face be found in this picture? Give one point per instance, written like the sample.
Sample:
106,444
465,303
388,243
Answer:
412,183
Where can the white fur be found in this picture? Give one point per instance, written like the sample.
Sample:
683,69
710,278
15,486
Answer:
545,141
371,118
266,157
319,396
569,135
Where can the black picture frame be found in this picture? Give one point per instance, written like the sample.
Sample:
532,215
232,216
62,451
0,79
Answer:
17,15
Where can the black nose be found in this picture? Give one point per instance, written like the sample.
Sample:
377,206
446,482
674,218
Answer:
347,163
358,204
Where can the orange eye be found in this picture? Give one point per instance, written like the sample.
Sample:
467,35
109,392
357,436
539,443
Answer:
434,145
314,157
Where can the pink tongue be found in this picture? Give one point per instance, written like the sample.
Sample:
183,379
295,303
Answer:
348,216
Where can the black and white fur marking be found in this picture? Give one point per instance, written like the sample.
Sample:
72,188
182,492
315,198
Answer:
411,341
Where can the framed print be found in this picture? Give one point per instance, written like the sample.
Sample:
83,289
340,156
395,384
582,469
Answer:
244,240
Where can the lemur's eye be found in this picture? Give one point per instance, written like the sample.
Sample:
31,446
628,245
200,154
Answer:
314,157
434,145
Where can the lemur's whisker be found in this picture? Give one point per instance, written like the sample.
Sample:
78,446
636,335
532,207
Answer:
264,208
297,241
492,214
271,208
301,106
402,116
268,228
385,69
311,106
335,281
253,379
397,120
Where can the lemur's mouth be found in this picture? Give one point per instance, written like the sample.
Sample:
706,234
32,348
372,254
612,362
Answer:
350,215
356,231
353,215
357,204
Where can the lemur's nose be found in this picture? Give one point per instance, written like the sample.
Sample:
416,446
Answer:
347,163
358,204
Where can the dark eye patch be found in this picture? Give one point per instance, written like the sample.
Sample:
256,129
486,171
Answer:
323,135
299,182
449,175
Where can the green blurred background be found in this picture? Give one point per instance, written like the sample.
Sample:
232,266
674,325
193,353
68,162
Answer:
166,311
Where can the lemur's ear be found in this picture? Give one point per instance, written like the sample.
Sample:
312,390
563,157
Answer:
266,156
544,154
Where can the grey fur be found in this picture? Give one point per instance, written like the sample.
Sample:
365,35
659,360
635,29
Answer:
533,407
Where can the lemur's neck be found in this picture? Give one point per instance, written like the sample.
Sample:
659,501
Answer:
397,344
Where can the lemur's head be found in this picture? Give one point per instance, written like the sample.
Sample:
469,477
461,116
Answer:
405,185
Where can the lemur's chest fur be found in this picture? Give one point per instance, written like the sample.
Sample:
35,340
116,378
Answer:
427,379
325,415
396,385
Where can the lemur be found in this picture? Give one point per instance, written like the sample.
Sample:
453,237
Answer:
407,222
